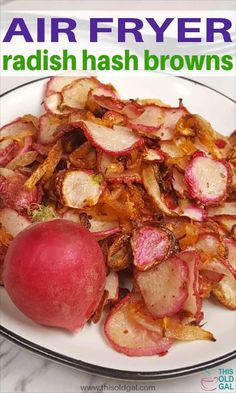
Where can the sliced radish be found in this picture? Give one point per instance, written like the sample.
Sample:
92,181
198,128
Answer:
193,302
75,95
191,211
8,150
152,187
99,225
210,245
150,120
150,246
116,140
17,128
225,291
112,286
164,288
228,208
170,149
110,103
12,221
127,336
52,105
57,83
79,189
207,179
153,155
102,227
158,121
48,125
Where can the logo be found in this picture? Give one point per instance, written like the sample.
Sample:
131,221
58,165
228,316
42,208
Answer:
209,384
221,380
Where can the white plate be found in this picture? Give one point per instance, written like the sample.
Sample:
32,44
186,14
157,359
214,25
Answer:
88,349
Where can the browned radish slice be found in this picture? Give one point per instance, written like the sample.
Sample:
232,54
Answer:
79,189
152,187
116,140
150,246
228,208
57,83
110,103
193,302
220,266
17,128
112,287
101,226
153,155
150,120
225,292
12,221
158,121
170,149
48,125
127,336
8,150
52,105
178,183
207,179
164,288
210,245
187,209
75,95
227,222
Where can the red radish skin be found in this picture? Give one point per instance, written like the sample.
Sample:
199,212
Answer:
54,273
193,302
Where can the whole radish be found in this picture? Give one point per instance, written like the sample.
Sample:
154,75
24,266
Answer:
54,273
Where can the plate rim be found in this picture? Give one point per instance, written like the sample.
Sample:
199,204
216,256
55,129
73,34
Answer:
105,371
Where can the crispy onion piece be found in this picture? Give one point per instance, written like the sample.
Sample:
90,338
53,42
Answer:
47,167
129,337
120,253
181,332
152,187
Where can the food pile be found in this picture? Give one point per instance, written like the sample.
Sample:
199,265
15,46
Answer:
156,185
